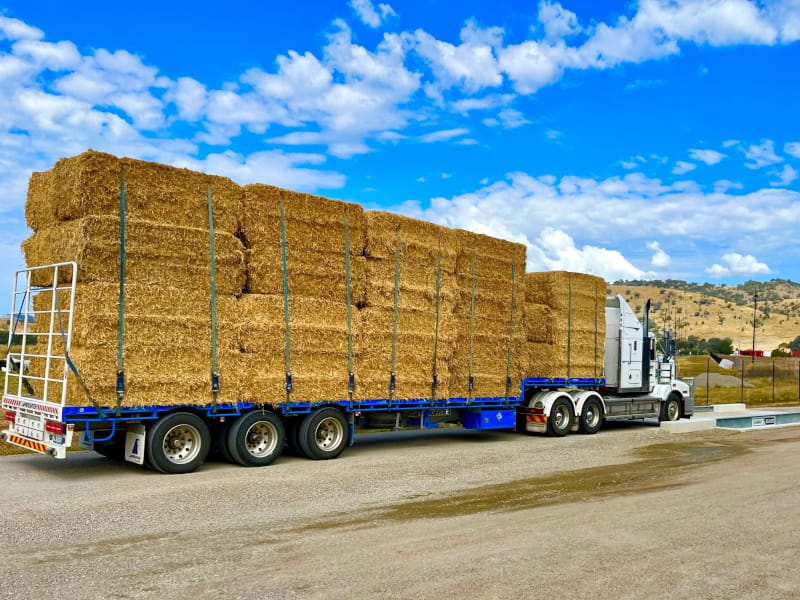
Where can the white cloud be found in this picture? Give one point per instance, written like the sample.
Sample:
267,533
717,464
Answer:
785,177
420,180
660,259
368,15
738,264
761,155
709,157
792,148
557,21
14,29
443,135
723,185
446,175
681,167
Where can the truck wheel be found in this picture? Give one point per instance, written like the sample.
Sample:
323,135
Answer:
222,442
256,439
178,443
592,416
561,416
671,409
323,434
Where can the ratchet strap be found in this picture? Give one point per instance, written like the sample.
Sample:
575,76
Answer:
595,328
351,379
511,329
213,308
392,375
569,325
471,379
434,382
286,307
121,327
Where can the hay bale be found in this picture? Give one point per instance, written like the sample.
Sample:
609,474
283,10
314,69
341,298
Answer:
310,274
420,241
311,222
561,289
89,184
155,254
538,322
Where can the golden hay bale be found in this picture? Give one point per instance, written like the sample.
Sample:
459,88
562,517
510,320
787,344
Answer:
311,222
89,184
148,321
155,254
163,376
416,289
562,289
39,209
310,274
493,258
374,385
379,320
420,241
538,322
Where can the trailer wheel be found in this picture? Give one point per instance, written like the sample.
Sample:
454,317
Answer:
561,416
671,409
178,443
256,439
592,416
323,434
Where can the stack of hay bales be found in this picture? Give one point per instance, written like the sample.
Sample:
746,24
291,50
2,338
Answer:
565,324
426,250
486,335
317,287
74,212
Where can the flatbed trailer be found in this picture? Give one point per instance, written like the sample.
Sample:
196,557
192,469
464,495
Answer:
178,439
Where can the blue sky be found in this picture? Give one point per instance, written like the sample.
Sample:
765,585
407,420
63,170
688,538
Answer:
650,139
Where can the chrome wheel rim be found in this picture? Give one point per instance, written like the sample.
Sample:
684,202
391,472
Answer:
182,444
561,417
592,415
673,410
329,434
261,439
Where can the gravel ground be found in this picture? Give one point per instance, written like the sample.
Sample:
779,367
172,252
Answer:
420,515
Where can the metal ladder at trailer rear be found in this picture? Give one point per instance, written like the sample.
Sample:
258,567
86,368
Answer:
34,403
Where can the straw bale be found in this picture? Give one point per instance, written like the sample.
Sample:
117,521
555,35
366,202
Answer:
420,241
311,222
96,323
163,376
39,209
374,385
493,258
538,322
310,274
89,184
314,324
379,320
155,254
316,377
560,289
417,285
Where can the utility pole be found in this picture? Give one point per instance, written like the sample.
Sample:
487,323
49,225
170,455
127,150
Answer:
755,307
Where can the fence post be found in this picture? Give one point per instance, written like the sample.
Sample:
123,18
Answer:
707,382
742,394
773,381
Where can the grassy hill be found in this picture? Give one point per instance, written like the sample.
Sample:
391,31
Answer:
708,310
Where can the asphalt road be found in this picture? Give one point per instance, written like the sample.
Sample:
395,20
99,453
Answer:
628,513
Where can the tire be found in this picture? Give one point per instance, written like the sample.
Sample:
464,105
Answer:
222,442
671,409
323,434
256,438
178,443
292,428
591,418
561,416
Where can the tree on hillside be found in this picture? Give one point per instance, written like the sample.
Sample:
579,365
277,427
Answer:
795,343
720,345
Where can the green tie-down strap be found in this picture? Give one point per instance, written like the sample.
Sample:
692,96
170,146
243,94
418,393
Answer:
120,383
435,378
392,376
351,381
511,328
286,307
471,379
213,307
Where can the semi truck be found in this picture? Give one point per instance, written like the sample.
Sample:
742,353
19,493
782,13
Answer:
639,381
